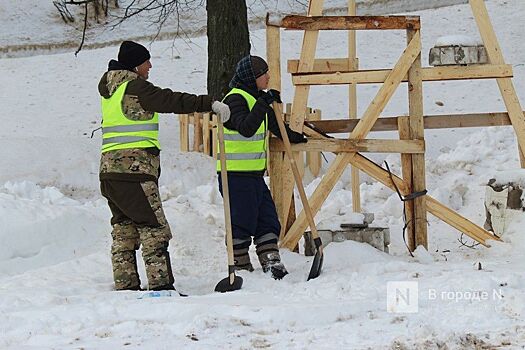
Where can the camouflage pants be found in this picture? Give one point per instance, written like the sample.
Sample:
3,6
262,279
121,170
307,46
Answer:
138,219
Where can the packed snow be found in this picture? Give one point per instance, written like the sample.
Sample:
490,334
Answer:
55,272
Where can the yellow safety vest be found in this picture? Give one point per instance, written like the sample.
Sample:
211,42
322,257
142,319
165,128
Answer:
119,132
245,153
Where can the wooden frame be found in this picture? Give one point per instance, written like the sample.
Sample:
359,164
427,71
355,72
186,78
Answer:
309,71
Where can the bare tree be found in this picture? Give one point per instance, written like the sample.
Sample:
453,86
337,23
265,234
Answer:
227,28
99,8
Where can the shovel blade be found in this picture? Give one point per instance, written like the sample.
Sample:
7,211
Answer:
317,265
224,285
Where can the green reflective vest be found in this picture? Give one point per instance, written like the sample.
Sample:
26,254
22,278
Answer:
245,153
119,132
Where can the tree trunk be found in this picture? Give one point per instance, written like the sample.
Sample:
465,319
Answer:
228,42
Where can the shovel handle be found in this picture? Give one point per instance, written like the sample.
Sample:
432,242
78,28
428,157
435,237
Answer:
298,180
226,200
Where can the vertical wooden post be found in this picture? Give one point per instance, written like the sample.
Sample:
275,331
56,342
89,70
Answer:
214,135
206,133
352,105
417,132
197,132
403,126
276,159
184,132
313,159
288,181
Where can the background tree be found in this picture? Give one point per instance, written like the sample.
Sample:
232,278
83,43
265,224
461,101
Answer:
228,42
227,28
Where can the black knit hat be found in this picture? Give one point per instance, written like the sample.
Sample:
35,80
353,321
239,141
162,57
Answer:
132,54
259,66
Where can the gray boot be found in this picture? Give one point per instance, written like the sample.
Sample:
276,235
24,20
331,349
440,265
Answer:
241,259
270,260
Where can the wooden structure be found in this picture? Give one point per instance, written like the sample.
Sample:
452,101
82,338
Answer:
308,71
198,133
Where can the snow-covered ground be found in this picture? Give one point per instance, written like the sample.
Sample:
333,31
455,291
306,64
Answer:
55,271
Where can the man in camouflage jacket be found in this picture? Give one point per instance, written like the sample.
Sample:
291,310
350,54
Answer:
129,172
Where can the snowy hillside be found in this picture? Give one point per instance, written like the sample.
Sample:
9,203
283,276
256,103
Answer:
22,33
55,271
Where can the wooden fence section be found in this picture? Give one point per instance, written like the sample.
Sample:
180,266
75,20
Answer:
198,133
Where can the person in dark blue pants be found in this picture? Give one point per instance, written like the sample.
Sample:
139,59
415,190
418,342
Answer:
253,212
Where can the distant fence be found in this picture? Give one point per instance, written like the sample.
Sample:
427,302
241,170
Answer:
198,133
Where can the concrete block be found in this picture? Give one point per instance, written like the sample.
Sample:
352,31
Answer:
457,55
377,237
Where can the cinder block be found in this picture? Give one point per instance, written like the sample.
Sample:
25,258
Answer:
377,237
457,55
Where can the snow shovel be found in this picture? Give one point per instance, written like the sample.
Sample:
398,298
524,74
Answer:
232,282
317,264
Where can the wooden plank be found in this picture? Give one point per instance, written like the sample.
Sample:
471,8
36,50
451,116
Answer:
427,74
276,184
352,106
326,65
457,221
352,145
214,136
317,199
481,71
297,22
197,132
442,121
206,133
313,159
287,195
306,62
508,93
184,132
273,57
417,132
386,91
406,169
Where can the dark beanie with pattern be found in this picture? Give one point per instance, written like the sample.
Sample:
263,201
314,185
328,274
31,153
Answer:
132,54
259,66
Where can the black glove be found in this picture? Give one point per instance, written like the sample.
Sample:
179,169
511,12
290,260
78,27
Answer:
296,137
271,96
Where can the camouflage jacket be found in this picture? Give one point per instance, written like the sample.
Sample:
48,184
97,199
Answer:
140,101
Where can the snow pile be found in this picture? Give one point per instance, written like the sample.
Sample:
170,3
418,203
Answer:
457,40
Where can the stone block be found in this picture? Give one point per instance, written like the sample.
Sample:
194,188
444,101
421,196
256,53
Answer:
377,237
457,55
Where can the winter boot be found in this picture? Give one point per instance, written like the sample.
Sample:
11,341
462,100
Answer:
242,259
270,259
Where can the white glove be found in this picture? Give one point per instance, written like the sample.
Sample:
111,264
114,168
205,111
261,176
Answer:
222,110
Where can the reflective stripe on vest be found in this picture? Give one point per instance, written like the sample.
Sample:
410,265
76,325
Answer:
119,132
245,153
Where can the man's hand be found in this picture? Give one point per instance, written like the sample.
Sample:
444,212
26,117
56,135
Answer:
222,110
271,96
296,137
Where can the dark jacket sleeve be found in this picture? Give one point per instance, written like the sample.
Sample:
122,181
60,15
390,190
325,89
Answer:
243,120
293,136
156,99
